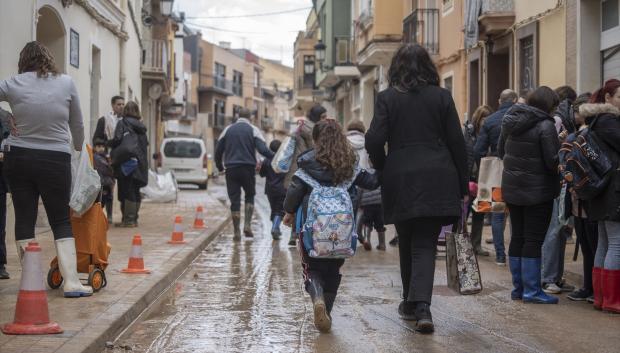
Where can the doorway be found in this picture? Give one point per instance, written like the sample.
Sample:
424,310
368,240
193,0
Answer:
95,78
498,76
51,33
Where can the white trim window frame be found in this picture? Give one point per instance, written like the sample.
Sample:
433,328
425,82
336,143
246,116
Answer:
446,76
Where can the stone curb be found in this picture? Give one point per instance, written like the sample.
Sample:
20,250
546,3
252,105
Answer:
114,325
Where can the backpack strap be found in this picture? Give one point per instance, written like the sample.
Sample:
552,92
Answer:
306,178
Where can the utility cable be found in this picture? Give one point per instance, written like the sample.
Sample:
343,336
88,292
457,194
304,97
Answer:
252,15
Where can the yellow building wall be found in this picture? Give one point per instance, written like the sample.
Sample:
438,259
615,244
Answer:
388,17
552,49
528,8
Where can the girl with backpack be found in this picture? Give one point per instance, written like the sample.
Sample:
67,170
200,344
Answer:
328,169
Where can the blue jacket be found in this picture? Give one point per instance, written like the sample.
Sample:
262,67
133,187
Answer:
238,144
489,133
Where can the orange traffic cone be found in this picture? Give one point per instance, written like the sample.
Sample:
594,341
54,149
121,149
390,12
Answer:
136,261
31,312
199,221
177,232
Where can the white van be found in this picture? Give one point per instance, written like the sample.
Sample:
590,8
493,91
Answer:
186,157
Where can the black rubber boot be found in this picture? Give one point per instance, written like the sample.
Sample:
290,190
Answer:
322,320
424,323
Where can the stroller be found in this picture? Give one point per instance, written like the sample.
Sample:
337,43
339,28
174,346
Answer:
92,247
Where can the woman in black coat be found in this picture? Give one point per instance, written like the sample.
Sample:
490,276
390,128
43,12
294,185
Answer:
424,173
130,162
529,145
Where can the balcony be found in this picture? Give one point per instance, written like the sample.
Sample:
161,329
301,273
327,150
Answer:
343,68
496,16
215,84
422,27
155,59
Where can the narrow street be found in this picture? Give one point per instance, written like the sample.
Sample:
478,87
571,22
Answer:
248,297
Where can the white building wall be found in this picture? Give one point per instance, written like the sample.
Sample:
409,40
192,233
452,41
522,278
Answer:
18,26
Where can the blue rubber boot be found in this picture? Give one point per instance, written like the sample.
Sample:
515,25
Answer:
532,291
275,228
517,282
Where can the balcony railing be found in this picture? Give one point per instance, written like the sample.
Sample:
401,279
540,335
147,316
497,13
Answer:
494,6
422,27
155,56
217,84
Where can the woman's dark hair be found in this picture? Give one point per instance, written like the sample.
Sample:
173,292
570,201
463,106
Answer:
610,87
333,150
543,98
412,67
566,92
316,113
132,110
357,125
274,146
35,57
581,99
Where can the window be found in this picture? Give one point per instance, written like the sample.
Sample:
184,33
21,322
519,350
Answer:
220,75
219,112
182,149
610,14
237,83
342,50
256,78
447,83
236,110
308,81
447,6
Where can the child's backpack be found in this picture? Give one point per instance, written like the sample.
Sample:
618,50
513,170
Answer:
587,163
328,231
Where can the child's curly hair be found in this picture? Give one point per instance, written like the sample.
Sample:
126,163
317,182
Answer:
333,150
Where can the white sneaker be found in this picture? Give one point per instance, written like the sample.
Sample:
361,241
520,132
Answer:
551,288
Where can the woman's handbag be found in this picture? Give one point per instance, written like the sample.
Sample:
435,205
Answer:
461,261
489,196
128,148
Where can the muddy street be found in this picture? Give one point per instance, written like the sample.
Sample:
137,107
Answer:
248,297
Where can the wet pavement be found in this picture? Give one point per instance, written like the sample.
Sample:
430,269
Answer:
248,297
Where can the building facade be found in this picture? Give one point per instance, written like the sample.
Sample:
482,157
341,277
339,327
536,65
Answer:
97,42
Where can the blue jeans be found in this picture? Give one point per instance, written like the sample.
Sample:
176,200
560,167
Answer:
554,247
498,225
608,249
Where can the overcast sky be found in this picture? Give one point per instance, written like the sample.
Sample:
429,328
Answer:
271,37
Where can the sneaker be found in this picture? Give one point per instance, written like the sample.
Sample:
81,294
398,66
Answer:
3,273
424,323
481,252
551,288
367,246
322,321
292,242
579,295
500,261
590,299
566,288
488,240
406,311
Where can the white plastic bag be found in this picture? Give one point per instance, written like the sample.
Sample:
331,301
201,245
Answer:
283,159
161,188
85,182
489,198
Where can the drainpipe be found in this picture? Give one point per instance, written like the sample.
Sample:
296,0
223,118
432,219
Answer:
122,78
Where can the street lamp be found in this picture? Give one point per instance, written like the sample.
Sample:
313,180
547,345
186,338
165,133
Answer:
319,52
166,7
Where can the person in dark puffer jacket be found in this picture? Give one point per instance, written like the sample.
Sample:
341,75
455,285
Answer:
605,208
529,146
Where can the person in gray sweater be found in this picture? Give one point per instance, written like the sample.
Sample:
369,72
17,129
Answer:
37,155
